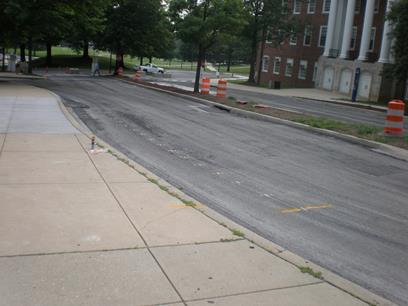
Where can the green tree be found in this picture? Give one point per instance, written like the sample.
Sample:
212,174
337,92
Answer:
134,27
39,20
399,18
266,19
228,50
87,24
203,23
6,34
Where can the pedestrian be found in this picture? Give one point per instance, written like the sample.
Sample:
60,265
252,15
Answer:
95,67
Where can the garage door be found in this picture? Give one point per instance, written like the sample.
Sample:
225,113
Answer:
364,85
345,81
328,75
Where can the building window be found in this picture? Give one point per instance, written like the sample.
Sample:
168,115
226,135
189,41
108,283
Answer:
326,6
302,70
311,7
297,6
307,38
322,36
314,72
376,6
265,63
276,65
293,39
372,40
289,67
353,38
357,7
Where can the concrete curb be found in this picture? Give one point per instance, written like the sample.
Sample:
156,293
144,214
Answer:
20,77
328,276
378,147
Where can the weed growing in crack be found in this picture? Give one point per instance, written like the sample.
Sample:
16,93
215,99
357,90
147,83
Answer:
237,233
310,271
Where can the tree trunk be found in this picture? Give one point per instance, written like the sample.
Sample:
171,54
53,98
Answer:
198,69
110,62
3,63
119,61
30,55
229,61
141,61
254,46
85,51
261,53
22,53
48,60
150,58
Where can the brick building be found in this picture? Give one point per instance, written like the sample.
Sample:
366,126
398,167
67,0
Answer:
342,40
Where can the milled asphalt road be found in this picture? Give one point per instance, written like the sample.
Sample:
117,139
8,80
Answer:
251,171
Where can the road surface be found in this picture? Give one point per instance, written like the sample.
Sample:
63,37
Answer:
306,106
340,205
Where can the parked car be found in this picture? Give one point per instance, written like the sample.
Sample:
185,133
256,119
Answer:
150,68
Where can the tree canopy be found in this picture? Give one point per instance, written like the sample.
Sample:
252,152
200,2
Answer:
399,18
204,23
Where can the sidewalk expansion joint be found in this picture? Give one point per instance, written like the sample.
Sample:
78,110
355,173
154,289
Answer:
72,252
256,291
132,224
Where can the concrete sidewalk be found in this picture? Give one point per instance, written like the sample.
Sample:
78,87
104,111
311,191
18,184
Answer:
82,228
310,94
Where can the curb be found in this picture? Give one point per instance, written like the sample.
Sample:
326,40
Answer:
327,276
378,147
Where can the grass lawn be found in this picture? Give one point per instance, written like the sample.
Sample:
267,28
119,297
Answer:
67,57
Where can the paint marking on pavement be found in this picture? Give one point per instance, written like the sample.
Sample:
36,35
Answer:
178,206
317,206
181,205
290,210
305,208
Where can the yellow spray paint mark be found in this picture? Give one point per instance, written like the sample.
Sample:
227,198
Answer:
304,208
181,205
316,206
177,205
290,210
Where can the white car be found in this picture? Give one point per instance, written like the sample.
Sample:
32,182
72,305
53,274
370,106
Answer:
150,68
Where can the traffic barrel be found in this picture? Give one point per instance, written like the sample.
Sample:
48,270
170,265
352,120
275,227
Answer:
138,75
205,86
119,71
395,118
222,88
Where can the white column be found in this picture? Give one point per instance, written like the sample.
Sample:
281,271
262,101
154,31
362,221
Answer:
330,27
368,23
348,28
386,38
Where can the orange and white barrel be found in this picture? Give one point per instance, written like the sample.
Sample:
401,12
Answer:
138,75
205,86
222,88
395,118
119,71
